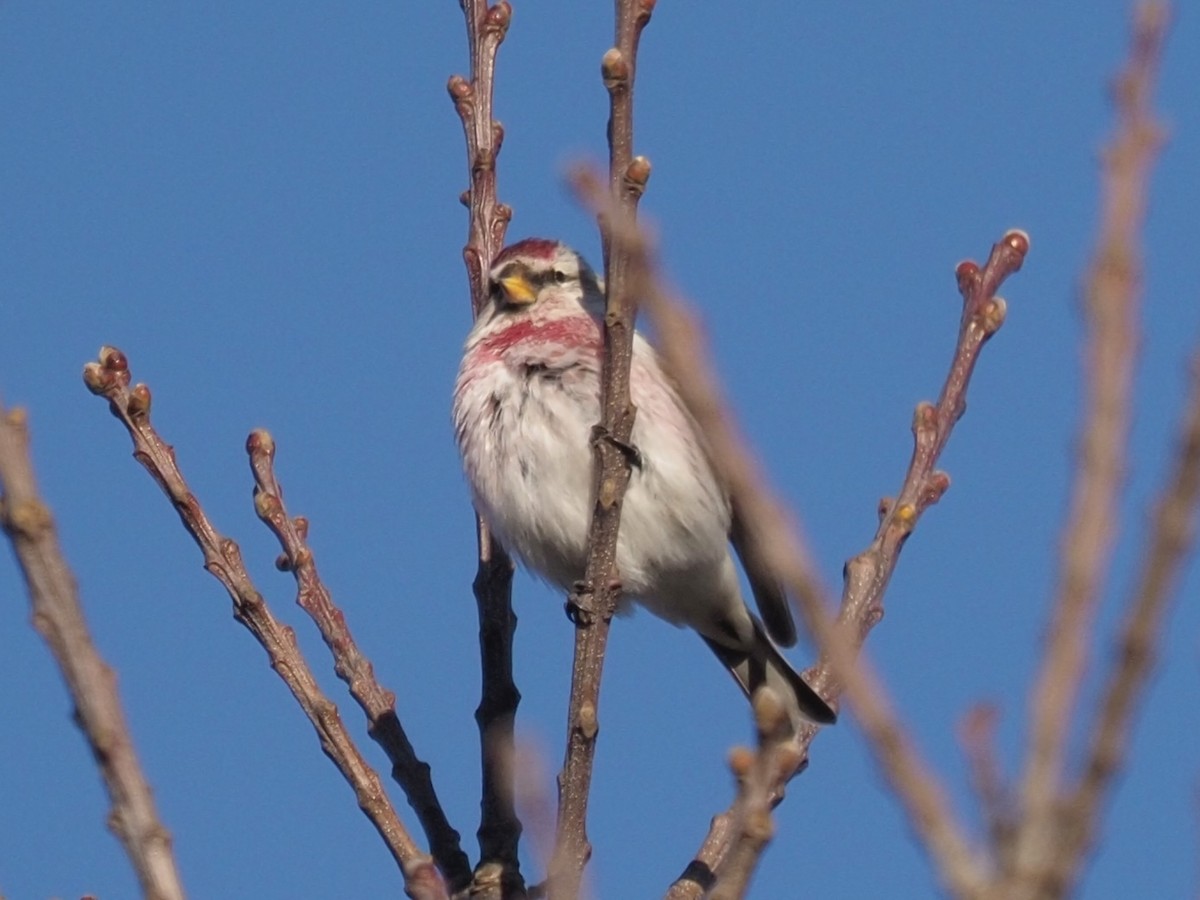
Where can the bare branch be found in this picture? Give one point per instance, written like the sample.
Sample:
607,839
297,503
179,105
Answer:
868,574
110,378
58,617
351,665
498,874
1111,309
488,221
593,603
759,775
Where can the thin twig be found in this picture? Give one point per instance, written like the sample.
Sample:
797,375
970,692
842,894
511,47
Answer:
1111,309
867,575
594,601
758,774
110,378
351,665
498,875
58,617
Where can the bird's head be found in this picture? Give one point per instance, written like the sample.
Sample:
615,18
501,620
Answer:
541,275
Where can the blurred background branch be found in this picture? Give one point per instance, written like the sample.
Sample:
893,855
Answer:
58,617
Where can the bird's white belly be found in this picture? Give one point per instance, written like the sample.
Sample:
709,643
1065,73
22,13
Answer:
535,489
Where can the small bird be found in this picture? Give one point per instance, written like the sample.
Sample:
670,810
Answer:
525,402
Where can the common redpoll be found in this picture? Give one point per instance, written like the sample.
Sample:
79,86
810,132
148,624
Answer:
525,402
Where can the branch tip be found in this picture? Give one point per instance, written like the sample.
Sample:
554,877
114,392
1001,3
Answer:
113,359
260,441
110,374
1017,240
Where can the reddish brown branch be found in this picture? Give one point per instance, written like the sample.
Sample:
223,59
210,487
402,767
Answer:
868,573
498,874
593,603
58,617
486,29
384,726
110,378
1111,308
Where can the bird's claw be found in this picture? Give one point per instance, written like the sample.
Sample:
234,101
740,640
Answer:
580,606
628,450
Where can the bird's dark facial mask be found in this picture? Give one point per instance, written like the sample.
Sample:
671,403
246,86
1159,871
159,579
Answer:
517,286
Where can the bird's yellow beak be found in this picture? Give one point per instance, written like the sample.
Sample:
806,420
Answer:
517,290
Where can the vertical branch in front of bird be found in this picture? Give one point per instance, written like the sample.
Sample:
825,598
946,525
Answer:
110,378
58,617
498,874
867,575
1111,306
594,602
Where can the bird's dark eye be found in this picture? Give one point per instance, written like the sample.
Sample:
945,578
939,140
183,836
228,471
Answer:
560,277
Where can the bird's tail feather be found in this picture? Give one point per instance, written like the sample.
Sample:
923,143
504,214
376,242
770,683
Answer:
765,665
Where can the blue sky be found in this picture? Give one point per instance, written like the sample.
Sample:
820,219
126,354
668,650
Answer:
258,203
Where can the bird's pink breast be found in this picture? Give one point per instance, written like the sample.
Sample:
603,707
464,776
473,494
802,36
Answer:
543,339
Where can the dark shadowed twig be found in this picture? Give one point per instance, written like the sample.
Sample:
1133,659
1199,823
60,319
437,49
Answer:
498,874
594,601
699,876
58,617
110,378
379,704
1111,312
